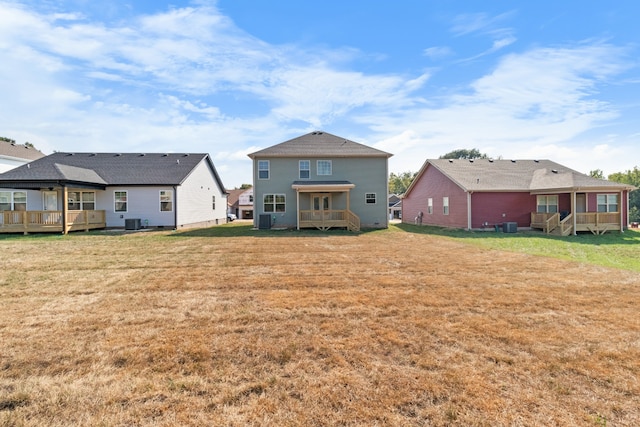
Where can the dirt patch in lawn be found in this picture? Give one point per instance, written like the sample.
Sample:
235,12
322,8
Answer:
378,328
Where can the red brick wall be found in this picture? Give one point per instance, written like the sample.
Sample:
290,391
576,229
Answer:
432,183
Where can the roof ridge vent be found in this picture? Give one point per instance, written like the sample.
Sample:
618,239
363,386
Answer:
165,155
142,154
118,155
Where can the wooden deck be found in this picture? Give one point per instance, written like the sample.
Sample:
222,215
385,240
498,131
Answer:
50,221
324,220
595,222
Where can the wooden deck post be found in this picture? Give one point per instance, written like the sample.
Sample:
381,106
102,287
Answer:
65,195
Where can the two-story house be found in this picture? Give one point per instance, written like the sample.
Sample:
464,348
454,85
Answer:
320,180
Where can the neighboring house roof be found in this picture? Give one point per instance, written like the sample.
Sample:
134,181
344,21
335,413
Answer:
102,169
234,195
18,151
515,175
317,144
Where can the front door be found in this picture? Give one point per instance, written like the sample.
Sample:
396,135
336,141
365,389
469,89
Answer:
320,205
50,200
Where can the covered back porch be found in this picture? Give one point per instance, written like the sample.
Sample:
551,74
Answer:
58,208
325,205
595,212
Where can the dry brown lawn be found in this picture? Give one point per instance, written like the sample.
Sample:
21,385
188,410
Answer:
376,329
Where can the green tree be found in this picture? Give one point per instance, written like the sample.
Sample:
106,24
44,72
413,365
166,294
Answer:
597,173
245,186
5,139
398,183
464,153
631,177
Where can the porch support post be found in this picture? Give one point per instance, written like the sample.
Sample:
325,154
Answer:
620,205
297,209
65,195
573,210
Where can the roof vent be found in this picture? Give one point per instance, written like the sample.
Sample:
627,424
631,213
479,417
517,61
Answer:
165,155
470,160
513,161
450,160
69,154
92,155
185,155
554,170
118,154
142,154
177,161
537,161
490,160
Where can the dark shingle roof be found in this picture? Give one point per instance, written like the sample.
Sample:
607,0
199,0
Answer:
18,151
111,168
516,175
319,144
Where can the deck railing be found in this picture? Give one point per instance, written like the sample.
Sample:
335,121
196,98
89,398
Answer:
50,221
595,222
329,218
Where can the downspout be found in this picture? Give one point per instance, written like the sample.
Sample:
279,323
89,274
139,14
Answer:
175,208
469,210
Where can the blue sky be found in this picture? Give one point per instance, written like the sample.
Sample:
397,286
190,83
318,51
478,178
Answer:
514,79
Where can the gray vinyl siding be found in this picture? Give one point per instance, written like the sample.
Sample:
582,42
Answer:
195,198
142,203
369,175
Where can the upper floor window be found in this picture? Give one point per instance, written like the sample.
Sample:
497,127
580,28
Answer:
430,206
445,206
166,201
370,198
547,204
263,169
305,169
13,200
607,203
324,167
120,201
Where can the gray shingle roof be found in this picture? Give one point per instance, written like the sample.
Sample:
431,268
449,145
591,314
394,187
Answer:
111,168
517,175
18,151
319,144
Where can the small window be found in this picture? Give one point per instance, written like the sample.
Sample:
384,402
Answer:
607,203
20,201
166,201
304,169
251,198
120,201
445,206
370,198
547,204
263,169
324,167
430,206
213,203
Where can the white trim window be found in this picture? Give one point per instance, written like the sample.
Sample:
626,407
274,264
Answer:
607,203
430,206
120,201
304,169
370,198
324,167
547,204
13,200
166,201
263,169
445,206
274,203
81,200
